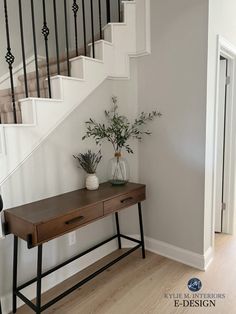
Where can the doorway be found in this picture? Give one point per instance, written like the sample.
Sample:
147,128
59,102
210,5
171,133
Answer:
224,81
225,141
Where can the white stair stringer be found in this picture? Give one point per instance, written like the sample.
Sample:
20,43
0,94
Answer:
42,116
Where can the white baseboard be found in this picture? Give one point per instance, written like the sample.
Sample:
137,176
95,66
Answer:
161,248
175,253
208,257
180,255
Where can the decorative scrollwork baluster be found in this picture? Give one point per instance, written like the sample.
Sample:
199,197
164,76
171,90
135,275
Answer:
10,60
75,9
45,33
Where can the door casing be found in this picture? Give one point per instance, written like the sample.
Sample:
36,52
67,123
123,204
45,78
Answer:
228,51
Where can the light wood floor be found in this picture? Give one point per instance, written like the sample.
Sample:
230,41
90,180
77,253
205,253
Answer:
137,286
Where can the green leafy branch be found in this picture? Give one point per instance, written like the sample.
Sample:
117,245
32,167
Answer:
119,129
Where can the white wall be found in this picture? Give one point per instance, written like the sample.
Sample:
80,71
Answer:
172,161
51,170
221,22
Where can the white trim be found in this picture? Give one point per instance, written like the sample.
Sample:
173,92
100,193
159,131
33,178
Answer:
86,58
175,253
139,54
227,50
67,78
101,41
199,261
208,257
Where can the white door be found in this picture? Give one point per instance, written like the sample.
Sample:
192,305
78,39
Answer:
221,149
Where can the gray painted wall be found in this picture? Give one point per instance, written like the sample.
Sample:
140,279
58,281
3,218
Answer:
172,161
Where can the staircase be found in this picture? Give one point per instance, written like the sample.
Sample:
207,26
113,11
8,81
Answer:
40,116
6,109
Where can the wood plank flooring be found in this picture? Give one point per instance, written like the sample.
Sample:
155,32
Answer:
137,286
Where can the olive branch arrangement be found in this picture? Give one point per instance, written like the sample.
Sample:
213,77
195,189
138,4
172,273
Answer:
119,129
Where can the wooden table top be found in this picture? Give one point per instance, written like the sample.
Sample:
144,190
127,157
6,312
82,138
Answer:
50,208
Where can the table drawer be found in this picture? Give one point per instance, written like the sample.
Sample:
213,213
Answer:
67,223
124,201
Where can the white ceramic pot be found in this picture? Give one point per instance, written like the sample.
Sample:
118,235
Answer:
92,182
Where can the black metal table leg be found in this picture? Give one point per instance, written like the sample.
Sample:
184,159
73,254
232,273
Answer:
37,306
15,258
141,229
118,230
39,279
0,308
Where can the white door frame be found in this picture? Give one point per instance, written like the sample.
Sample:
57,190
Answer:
228,51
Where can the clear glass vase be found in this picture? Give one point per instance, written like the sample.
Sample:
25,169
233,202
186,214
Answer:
118,170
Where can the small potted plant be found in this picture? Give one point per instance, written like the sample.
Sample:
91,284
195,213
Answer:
89,162
118,131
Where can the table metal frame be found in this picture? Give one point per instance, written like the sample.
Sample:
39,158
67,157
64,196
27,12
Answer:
38,307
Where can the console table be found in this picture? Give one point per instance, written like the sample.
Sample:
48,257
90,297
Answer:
42,221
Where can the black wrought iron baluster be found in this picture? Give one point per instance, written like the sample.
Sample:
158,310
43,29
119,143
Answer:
23,48
15,273
45,32
92,29
56,35
10,60
84,28
67,39
119,11
100,17
75,9
108,11
35,48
